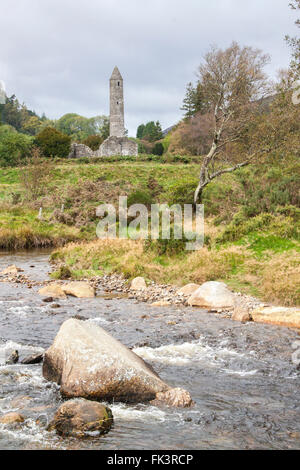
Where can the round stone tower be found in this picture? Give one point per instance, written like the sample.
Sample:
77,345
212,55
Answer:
117,128
117,143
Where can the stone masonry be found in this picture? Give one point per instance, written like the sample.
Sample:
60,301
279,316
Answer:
117,143
80,150
116,104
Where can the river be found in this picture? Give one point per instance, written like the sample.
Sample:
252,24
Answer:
241,376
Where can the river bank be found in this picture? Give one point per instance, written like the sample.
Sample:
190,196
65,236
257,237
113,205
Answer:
241,376
214,296
251,230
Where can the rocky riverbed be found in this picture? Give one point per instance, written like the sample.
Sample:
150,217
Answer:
116,286
241,376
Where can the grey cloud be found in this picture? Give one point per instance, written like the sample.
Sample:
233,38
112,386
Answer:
57,56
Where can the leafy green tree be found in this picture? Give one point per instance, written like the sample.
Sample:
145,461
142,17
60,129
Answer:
100,125
79,127
53,143
20,117
73,125
32,125
6,129
11,113
14,146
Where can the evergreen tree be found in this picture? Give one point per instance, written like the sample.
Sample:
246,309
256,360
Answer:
140,131
201,104
151,131
194,101
188,104
159,134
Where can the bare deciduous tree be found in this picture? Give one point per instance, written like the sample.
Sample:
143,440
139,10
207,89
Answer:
233,81
35,175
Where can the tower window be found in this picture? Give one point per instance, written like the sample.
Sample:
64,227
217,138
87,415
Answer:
117,102
118,83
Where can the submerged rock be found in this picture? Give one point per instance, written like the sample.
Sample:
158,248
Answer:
241,314
54,291
13,358
177,397
88,362
79,289
21,401
212,295
81,418
33,359
161,303
138,283
11,418
282,316
12,269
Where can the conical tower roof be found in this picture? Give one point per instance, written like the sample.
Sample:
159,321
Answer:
116,74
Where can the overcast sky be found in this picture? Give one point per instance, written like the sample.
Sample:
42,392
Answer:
57,55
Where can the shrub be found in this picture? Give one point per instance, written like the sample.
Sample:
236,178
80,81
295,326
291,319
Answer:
154,187
169,247
140,197
63,272
53,143
158,149
280,279
93,141
14,147
281,226
35,175
182,193
6,129
289,211
141,148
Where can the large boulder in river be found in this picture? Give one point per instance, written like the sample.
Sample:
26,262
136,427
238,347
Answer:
53,290
88,362
81,418
79,289
282,316
212,295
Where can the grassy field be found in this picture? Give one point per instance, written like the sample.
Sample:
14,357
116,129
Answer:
252,222
80,188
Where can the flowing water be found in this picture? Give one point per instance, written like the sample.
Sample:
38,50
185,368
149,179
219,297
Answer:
241,376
